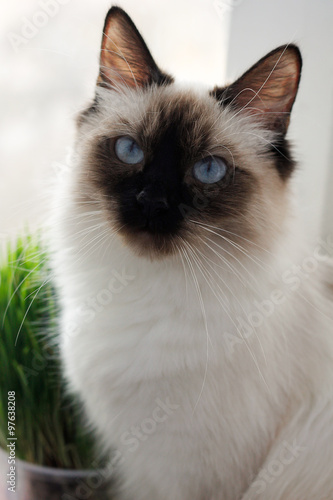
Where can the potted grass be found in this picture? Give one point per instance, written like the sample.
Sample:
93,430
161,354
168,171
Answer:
47,452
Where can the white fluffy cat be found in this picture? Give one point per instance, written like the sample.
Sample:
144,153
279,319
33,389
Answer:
195,327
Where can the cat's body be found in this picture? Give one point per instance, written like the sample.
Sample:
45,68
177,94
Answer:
206,363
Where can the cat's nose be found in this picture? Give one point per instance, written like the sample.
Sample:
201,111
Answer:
152,205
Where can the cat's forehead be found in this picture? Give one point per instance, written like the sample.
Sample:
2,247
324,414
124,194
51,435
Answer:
197,121
150,112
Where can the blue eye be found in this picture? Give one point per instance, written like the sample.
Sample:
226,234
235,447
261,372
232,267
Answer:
128,150
209,170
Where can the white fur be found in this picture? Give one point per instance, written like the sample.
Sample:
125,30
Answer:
232,406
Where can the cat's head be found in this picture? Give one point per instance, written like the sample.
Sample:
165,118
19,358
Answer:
173,167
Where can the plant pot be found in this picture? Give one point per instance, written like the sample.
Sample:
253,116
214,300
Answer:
36,482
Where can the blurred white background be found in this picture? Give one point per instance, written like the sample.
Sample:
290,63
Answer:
49,62
257,26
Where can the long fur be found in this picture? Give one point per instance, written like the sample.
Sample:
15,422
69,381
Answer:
207,372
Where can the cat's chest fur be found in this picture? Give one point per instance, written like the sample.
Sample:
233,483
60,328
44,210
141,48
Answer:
146,344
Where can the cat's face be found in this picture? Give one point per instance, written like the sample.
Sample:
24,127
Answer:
173,167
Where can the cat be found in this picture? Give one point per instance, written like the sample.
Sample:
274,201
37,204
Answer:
193,326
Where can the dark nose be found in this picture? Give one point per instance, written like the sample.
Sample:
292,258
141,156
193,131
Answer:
152,205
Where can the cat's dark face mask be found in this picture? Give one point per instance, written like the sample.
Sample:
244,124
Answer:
150,200
174,167
158,186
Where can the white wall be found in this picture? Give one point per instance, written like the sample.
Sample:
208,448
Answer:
258,26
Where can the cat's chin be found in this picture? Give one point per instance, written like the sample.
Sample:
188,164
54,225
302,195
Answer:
149,245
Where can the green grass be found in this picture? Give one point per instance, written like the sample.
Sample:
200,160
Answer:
48,428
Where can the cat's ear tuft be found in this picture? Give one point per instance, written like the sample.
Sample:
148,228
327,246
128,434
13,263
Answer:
268,90
125,59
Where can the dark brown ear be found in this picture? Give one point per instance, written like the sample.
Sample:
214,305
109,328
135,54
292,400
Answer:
268,90
125,59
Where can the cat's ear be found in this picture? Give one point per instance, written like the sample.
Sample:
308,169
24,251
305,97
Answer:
125,59
268,90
